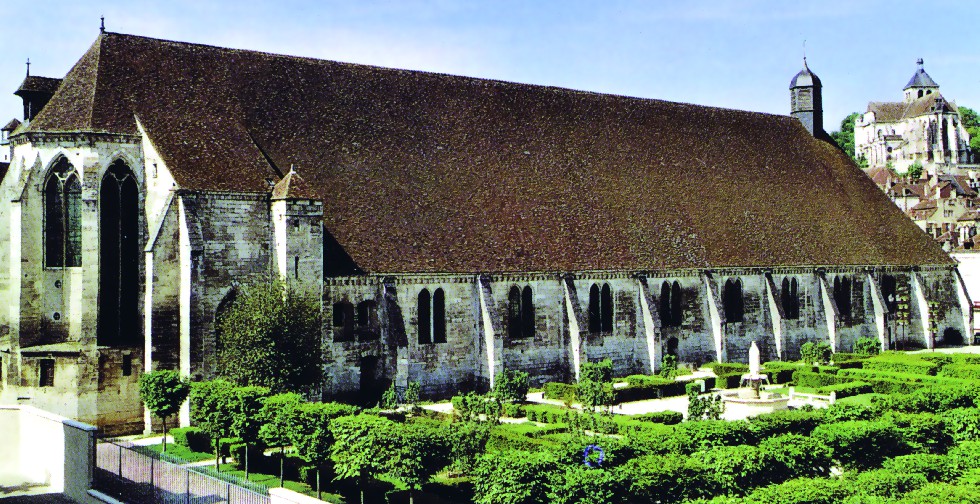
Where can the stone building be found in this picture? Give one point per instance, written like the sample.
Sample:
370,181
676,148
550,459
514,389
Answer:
923,128
453,227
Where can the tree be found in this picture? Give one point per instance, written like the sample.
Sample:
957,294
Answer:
972,124
516,477
844,138
511,386
278,418
417,451
311,434
816,353
163,392
914,172
359,447
270,337
595,385
668,366
246,421
469,442
709,407
213,410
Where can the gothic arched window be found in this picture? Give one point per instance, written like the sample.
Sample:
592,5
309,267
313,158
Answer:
732,301
790,298
119,253
842,297
62,217
520,312
600,309
425,317
671,310
343,321
889,290
432,316
665,316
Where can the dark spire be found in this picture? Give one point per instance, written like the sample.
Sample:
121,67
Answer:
28,67
102,26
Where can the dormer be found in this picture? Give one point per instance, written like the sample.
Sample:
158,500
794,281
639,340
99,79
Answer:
36,91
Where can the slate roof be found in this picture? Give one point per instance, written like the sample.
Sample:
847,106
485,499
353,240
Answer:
34,83
920,79
900,111
805,78
424,172
12,125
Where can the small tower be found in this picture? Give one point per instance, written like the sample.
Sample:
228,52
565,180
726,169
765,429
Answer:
36,91
806,101
297,223
920,84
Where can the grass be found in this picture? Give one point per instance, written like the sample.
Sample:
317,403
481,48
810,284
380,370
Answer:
181,452
272,481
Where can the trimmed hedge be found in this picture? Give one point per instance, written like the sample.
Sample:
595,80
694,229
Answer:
901,363
963,423
642,387
193,438
729,381
661,417
724,368
961,371
887,483
547,413
786,422
933,467
512,410
862,444
559,391
810,379
890,382
781,372
847,389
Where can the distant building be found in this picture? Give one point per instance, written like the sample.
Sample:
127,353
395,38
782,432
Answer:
924,128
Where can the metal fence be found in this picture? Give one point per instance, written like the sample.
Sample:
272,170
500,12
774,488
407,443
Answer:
132,473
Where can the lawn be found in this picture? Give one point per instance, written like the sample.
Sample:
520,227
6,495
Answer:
181,452
272,481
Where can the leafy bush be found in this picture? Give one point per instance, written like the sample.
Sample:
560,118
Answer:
780,372
924,432
809,379
559,391
942,492
255,456
193,438
721,368
792,456
641,387
582,485
933,467
889,382
653,438
513,410
816,353
800,491
901,363
786,422
547,413
696,436
887,483
729,381
866,346
862,444
511,386
737,469
938,398
963,423
662,417
846,389
669,478
962,371
964,457
515,477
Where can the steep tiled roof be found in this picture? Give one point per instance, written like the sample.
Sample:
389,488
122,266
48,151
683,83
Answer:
881,175
34,83
429,172
899,111
920,79
12,125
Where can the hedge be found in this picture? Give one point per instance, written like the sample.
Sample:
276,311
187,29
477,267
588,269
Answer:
846,389
933,467
559,391
547,413
661,417
724,368
961,371
193,438
786,422
890,382
963,423
901,363
862,444
801,491
729,381
887,483
924,432
781,372
810,379
512,410
642,387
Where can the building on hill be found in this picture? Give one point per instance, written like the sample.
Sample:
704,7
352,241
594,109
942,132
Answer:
924,128
453,227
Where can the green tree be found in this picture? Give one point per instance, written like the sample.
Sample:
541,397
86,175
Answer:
668,366
163,392
278,418
213,410
511,386
417,451
709,407
914,172
516,477
311,433
595,388
270,337
867,346
246,421
469,442
971,122
816,353
844,137
359,450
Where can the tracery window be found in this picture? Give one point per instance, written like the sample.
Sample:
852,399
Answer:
732,301
119,253
842,297
62,217
520,312
432,316
790,298
600,309
671,307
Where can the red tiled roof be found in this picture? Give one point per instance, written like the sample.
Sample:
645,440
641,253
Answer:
429,172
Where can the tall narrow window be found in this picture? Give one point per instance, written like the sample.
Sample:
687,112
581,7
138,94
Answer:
527,313
665,316
842,297
439,316
343,321
790,299
600,309
46,378
425,317
62,217
732,301
119,253
889,292
676,310
514,313
606,306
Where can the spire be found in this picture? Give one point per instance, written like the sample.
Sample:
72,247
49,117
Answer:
28,67
102,25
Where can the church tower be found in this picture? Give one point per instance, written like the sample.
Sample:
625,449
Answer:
806,101
920,84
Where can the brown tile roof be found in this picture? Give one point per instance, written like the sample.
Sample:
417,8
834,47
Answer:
428,172
34,83
881,175
12,125
900,111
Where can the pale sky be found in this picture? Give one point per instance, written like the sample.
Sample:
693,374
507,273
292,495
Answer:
737,54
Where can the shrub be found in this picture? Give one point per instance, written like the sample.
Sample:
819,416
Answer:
862,444
737,469
513,410
193,438
653,438
924,432
886,483
964,457
942,492
901,363
792,456
938,398
933,467
721,368
800,491
846,389
729,381
641,387
255,456
962,371
780,372
661,417
547,413
696,436
810,379
669,478
511,386
786,422
845,412
816,353
963,423
866,346
514,477
559,391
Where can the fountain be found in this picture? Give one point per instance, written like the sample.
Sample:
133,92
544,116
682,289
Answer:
750,400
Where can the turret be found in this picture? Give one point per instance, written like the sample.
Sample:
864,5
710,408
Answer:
806,101
920,84
36,91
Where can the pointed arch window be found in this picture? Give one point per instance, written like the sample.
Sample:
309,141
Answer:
62,217
732,301
432,316
790,298
889,289
119,253
842,297
600,309
343,321
671,308
520,312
